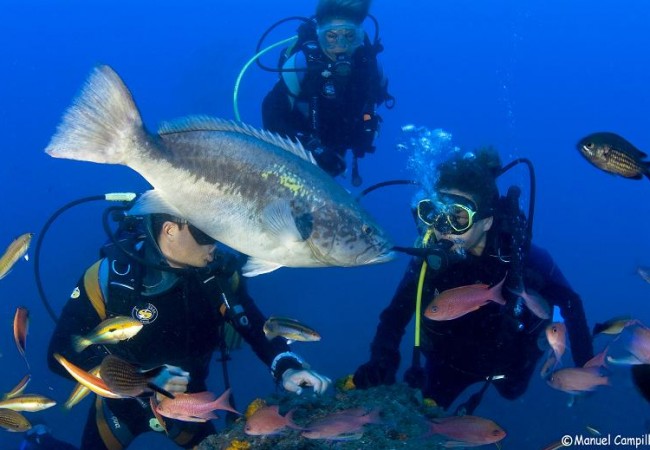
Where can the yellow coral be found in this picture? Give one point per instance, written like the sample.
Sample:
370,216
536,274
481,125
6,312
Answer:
254,406
346,383
236,444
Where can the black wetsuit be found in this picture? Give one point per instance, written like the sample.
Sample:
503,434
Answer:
331,113
492,341
182,327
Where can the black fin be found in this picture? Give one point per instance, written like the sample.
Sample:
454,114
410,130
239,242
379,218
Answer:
160,390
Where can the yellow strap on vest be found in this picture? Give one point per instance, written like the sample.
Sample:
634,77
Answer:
418,298
91,284
109,440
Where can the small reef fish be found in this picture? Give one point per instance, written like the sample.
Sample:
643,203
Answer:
612,326
556,337
467,431
195,407
290,329
534,302
577,380
80,391
92,382
21,328
19,388
267,421
125,379
110,331
28,402
341,425
13,421
613,154
16,250
457,302
631,347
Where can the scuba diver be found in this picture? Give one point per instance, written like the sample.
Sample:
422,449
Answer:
164,272
470,236
330,87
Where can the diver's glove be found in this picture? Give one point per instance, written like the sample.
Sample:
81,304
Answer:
293,380
377,371
172,379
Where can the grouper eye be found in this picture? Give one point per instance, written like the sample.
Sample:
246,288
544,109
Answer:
367,230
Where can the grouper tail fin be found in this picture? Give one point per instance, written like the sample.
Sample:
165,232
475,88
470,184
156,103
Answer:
101,124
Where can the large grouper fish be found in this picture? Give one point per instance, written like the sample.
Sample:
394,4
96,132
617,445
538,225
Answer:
252,190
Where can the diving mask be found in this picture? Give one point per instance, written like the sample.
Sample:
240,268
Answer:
450,214
340,35
199,236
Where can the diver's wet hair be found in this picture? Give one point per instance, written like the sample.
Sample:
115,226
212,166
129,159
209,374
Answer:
354,10
474,175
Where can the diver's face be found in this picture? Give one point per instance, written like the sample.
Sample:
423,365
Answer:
473,240
337,37
181,249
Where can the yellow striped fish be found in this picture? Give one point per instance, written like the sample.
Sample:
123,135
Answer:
80,391
28,402
110,331
16,250
19,388
290,329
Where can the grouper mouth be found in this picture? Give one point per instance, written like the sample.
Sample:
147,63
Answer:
385,256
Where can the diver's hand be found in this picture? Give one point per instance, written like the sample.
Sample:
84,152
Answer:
374,373
172,379
293,380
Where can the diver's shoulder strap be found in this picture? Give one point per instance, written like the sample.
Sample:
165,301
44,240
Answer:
94,290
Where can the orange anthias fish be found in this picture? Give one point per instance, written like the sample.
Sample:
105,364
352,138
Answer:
267,421
467,431
95,384
556,337
21,328
194,407
456,302
577,380
342,425
534,302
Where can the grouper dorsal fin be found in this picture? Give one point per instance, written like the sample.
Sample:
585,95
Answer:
153,202
206,123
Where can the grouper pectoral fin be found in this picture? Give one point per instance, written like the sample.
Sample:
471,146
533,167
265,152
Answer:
256,266
284,226
152,202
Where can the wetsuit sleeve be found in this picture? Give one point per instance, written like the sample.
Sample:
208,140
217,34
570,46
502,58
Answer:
77,319
394,319
275,353
556,290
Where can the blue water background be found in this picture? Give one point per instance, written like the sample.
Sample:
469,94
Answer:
529,77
